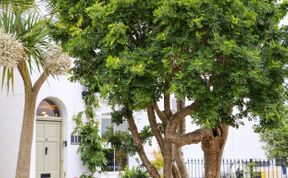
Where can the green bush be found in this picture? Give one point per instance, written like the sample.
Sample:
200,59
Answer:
135,173
90,148
86,176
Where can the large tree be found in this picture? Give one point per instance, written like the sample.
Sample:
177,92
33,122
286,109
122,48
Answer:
24,45
227,58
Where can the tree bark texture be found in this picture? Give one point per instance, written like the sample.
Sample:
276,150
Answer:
24,154
154,127
175,171
159,138
151,169
213,148
178,157
167,150
170,132
26,137
177,151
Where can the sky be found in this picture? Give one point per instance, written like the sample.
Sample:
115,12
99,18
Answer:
284,21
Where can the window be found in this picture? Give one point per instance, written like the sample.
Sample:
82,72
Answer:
116,159
75,139
48,108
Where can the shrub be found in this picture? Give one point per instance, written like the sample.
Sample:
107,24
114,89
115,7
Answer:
90,148
135,173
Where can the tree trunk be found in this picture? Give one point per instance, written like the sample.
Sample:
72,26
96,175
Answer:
156,132
167,150
140,150
26,138
175,171
178,156
212,164
24,154
213,148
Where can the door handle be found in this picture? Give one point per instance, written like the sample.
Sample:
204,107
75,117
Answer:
46,150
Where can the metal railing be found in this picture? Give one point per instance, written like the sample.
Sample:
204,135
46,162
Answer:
251,168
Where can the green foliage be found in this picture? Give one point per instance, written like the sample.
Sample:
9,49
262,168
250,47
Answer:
146,135
158,160
90,148
275,142
91,103
221,54
134,173
18,5
85,176
250,171
120,140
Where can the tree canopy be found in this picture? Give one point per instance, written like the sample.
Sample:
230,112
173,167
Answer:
218,53
222,56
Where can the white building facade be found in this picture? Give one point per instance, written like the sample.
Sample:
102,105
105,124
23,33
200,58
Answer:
53,134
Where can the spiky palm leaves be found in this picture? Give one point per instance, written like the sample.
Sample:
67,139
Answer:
28,30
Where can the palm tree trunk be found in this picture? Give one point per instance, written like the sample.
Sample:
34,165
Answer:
24,154
26,138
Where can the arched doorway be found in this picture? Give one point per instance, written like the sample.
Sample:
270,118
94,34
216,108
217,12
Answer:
48,140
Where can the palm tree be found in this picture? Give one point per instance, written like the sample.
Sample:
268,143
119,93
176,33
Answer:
26,32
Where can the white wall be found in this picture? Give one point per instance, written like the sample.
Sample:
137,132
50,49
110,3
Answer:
70,95
64,93
11,121
242,143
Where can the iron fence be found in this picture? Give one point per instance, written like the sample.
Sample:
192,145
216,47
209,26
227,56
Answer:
242,168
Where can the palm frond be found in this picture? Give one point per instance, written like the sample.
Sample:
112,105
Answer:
31,31
8,77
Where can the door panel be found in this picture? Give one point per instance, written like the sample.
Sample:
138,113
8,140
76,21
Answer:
52,161
52,130
48,148
40,131
40,155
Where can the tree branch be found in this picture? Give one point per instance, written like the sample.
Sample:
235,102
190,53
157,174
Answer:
137,140
159,137
190,138
178,154
167,108
160,114
178,116
180,162
24,72
224,134
155,130
39,82
182,125
180,104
